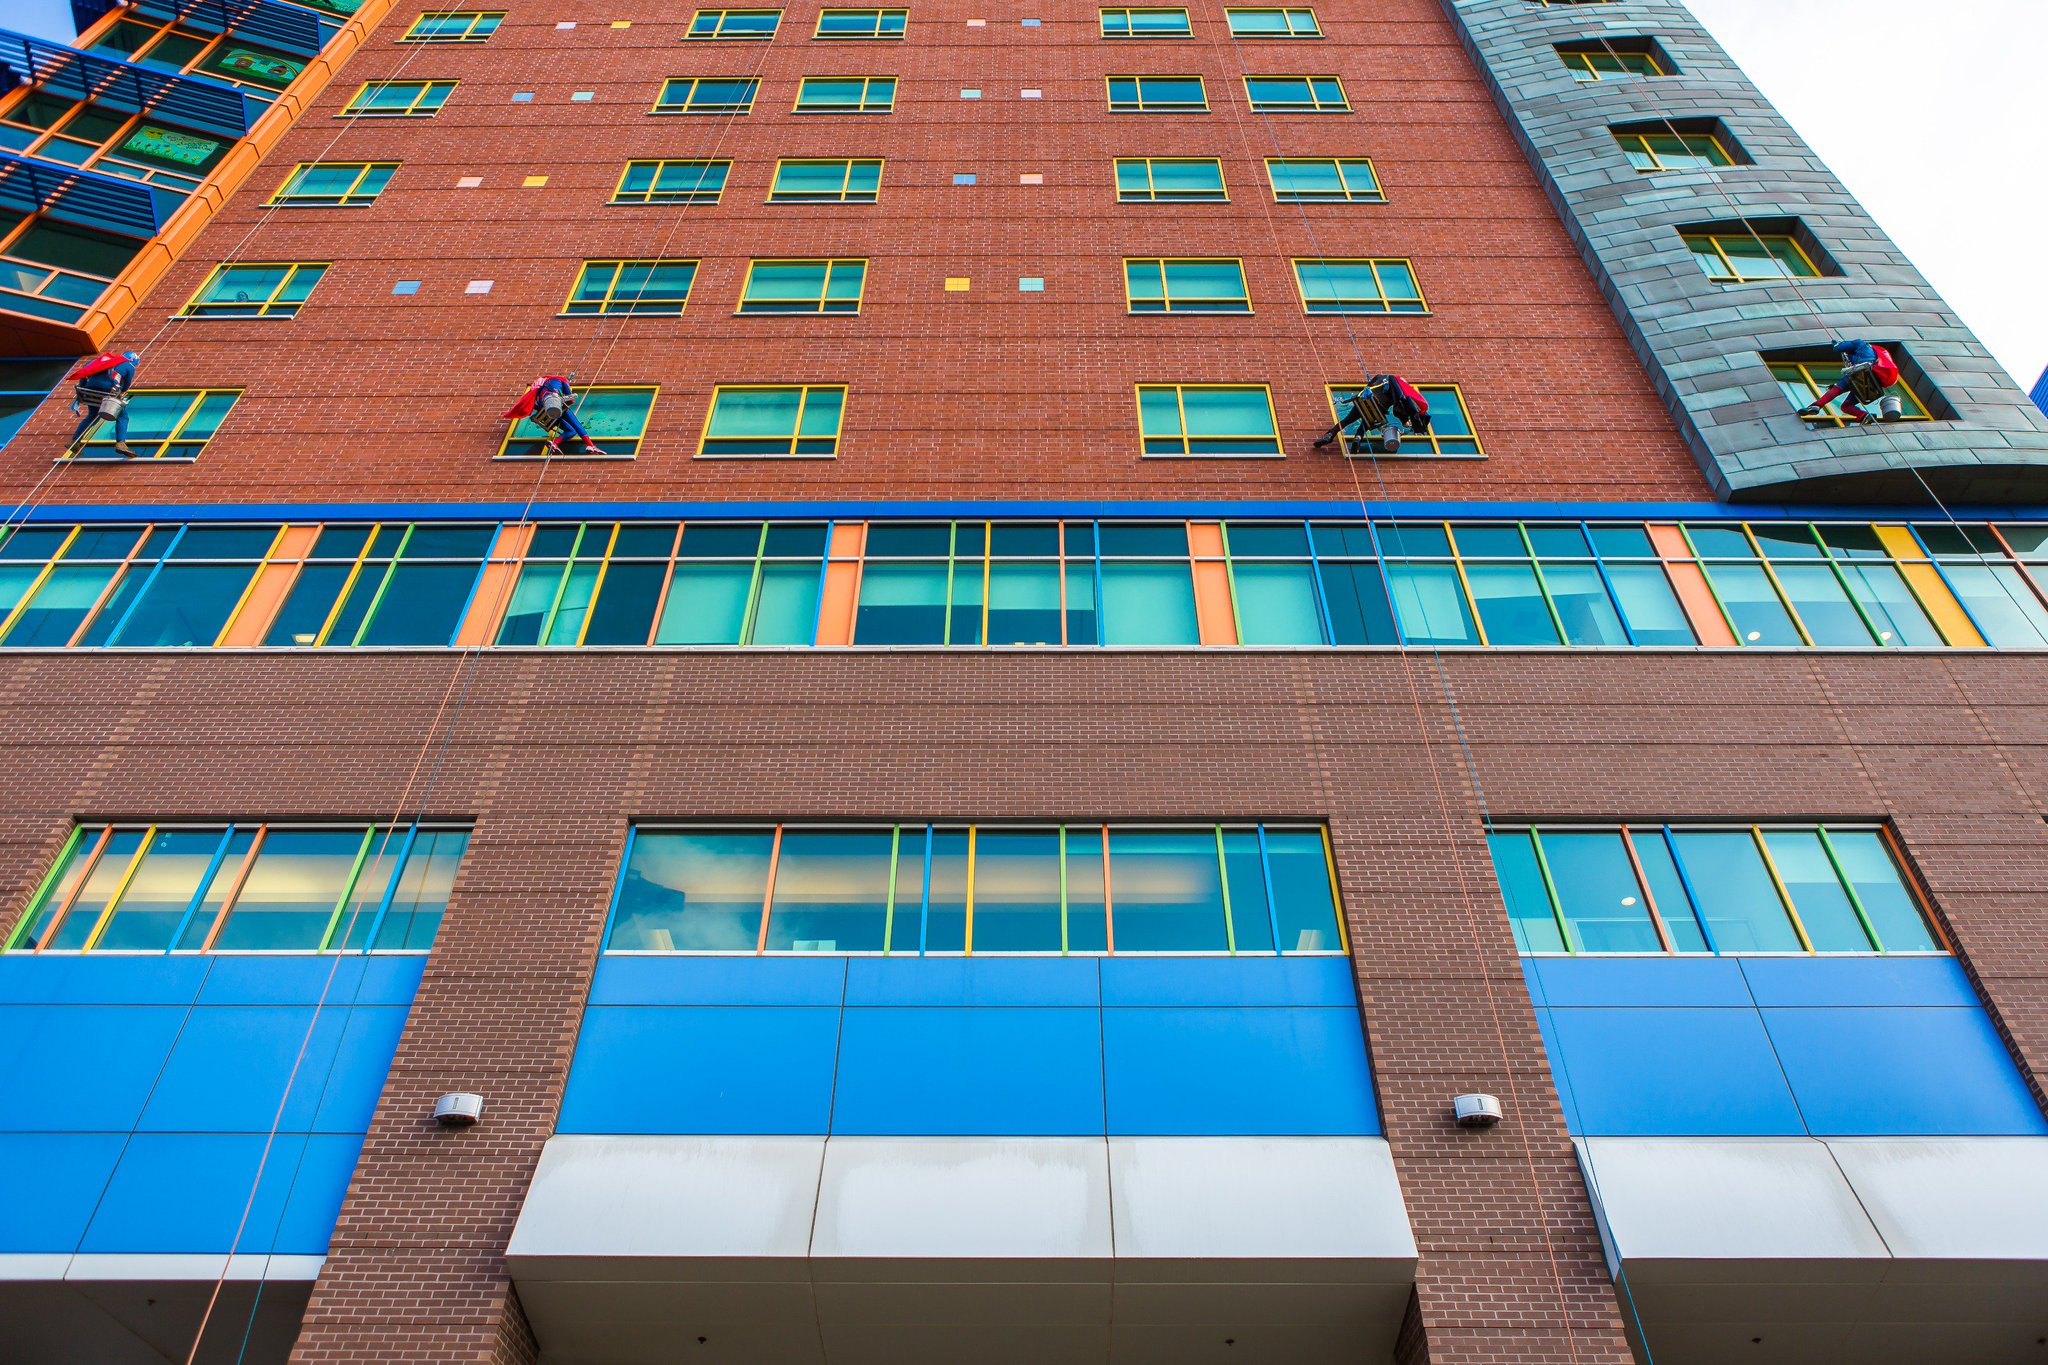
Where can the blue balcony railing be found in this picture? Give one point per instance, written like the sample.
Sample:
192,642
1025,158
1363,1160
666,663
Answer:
66,192
211,106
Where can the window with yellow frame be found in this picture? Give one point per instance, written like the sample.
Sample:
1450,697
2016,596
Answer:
672,182
861,23
1740,257
773,421
1296,95
1169,179
1450,435
163,424
333,184
1207,420
255,289
1323,180
1609,59
1146,23
707,95
660,288
800,180
1803,381
615,415
1376,285
845,95
759,24
814,286
1157,95
1673,151
1185,285
453,26
397,99
1273,23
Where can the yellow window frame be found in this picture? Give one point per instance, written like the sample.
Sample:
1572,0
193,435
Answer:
846,179
653,392
1820,375
291,268
619,190
280,198
1187,24
866,105
716,35
618,269
1141,107
353,108
1315,27
1639,143
1434,439
1314,105
1180,392
198,401
468,35
662,104
876,36
1581,63
1377,194
831,263
1219,303
804,392
1152,193
1362,304
1730,273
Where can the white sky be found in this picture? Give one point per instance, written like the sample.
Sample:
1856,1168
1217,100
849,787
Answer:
1955,176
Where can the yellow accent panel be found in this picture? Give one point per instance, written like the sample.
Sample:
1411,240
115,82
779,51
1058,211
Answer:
1928,585
533,182
956,284
162,251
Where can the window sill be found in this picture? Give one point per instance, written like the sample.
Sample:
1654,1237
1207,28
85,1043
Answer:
700,455
1245,455
122,459
557,459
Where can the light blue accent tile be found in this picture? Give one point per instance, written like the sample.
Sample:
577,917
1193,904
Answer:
522,97
719,981
1795,981
1901,1072
393,980
963,178
263,980
1672,1073
970,1072
583,97
972,981
1229,981
184,1193
27,979
664,1069
318,1186
232,1063
406,287
1230,1072
1031,284
81,1068
57,1179
970,94
1028,23
1574,982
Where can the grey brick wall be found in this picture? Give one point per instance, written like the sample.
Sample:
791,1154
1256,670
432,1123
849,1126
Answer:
1702,342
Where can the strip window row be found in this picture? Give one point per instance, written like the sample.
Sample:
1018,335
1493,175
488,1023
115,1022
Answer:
733,95
858,180
1709,889
261,888
1153,22
1050,583
916,890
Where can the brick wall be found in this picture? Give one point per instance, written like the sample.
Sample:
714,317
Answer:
553,754
991,392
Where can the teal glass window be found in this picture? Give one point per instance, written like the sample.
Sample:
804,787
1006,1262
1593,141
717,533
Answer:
734,23
861,23
255,291
453,26
1169,179
1707,889
243,888
1272,23
615,415
774,420
1207,419
398,99
1145,23
672,182
707,95
986,889
334,184
1296,95
1319,180
844,181
402,585
1185,286
816,286
166,424
846,95
656,287
1367,286
1157,95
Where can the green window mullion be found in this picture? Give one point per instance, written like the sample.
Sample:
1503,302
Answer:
1223,879
1785,598
753,606
65,854
1236,620
1063,890
348,887
889,912
384,585
547,622
1877,632
1855,901
1543,586
1564,929
952,553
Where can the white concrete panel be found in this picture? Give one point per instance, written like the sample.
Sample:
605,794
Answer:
1690,1200
711,1200
1977,1198
962,1199
171,1268
32,1266
1277,1201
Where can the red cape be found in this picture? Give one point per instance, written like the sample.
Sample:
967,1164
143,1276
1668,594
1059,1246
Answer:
105,360
531,396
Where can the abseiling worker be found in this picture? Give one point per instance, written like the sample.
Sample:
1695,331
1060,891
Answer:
103,384
1388,403
1867,371
551,403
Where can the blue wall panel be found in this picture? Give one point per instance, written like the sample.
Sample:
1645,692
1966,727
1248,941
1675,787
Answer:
993,1046
140,1089
1832,1046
